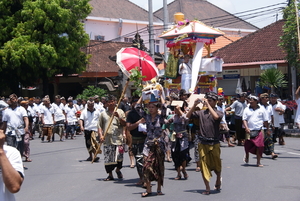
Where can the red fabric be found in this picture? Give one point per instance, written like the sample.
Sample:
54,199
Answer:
253,143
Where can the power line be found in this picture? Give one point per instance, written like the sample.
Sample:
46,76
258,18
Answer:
235,14
226,18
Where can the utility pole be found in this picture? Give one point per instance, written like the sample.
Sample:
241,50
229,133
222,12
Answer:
151,34
166,22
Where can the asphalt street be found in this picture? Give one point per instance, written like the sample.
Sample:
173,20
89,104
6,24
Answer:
59,172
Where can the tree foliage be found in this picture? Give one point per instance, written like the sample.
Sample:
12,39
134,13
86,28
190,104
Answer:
39,39
136,77
289,40
272,78
91,91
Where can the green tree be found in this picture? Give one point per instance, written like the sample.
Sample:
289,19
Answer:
39,39
91,91
272,78
136,77
289,39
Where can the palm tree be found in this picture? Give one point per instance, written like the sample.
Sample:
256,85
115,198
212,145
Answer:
272,78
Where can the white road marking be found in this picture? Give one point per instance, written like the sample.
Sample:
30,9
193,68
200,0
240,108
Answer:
293,153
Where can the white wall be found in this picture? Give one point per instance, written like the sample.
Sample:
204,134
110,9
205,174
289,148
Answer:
111,30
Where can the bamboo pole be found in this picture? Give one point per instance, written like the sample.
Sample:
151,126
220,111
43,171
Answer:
99,151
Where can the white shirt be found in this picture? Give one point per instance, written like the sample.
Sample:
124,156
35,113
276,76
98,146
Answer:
278,119
97,106
48,112
58,112
222,109
90,119
255,118
37,109
70,112
15,121
268,110
15,160
187,68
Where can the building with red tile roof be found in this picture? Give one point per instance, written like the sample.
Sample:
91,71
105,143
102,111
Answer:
250,55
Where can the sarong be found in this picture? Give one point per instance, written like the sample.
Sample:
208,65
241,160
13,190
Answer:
154,164
179,156
269,145
113,154
210,159
253,143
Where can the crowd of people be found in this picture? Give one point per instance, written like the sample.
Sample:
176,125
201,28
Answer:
159,130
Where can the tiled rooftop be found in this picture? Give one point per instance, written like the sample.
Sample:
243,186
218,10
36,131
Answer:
206,12
119,9
262,45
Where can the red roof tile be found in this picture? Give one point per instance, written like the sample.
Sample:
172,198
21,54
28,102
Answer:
221,41
101,51
203,10
262,45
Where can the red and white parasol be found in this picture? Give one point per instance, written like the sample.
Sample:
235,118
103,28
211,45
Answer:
131,57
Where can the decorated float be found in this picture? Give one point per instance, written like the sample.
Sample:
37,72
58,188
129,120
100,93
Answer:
190,38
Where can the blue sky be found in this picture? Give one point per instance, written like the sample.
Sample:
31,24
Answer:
233,6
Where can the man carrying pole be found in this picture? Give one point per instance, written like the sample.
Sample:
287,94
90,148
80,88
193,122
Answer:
113,137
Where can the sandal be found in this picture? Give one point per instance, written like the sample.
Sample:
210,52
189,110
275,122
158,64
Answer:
27,160
132,166
198,169
260,165
109,178
178,177
185,175
159,193
218,186
120,175
246,160
205,193
146,194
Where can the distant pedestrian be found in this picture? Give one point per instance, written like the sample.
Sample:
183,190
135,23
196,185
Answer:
15,124
268,138
239,107
88,123
254,118
47,118
278,118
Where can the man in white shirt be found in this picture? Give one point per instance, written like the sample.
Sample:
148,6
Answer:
254,119
47,118
278,118
15,124
59,118
70,111
89,118
3,106
269,145
185,70
37,111
11,170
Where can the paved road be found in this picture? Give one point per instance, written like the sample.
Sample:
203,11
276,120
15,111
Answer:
59,172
